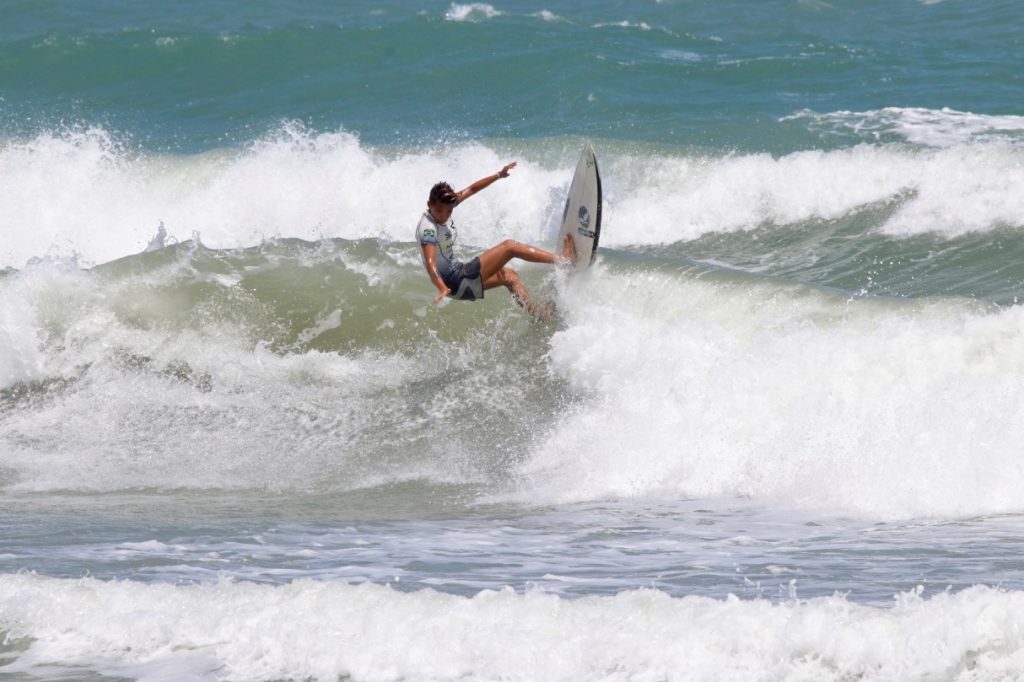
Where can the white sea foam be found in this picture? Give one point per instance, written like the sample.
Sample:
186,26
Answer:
84,195
330,630
640,25
712,389
191,397
476,11
944,191
931,127
28,301
548,15
159,428
20,358
643,26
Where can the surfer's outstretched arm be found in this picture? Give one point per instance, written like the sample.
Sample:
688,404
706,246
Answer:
483,183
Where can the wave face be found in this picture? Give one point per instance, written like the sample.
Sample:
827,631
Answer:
804,327
320,366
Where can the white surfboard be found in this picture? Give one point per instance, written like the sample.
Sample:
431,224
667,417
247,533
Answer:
581,218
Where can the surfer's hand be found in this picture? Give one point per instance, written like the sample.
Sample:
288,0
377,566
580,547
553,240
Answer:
441,294
503,173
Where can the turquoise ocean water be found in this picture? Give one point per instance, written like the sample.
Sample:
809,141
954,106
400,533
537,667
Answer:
773,434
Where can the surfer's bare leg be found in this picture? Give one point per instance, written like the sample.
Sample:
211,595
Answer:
509,278
495,274
494,259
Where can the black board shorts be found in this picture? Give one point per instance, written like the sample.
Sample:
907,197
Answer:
465,281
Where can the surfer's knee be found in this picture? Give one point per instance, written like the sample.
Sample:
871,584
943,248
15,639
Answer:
511,247
509,278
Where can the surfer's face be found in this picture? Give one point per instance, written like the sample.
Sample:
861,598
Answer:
440,211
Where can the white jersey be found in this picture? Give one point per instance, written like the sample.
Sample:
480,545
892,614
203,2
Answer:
429,231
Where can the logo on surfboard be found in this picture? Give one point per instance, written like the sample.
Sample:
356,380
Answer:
584,216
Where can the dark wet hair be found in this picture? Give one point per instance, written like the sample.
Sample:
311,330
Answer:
442,193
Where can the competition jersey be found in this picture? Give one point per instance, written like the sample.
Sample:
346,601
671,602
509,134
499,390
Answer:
428,231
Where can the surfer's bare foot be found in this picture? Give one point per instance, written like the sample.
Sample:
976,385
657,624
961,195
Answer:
569,250
541,312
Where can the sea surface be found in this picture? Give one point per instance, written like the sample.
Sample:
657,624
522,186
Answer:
776,432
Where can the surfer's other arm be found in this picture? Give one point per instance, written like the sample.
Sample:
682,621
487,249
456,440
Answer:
430,260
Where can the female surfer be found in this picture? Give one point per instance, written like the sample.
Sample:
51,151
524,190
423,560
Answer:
468,281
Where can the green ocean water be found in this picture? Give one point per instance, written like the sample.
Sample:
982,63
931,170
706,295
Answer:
192,76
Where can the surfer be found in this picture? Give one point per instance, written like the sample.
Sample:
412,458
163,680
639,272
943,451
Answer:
467,281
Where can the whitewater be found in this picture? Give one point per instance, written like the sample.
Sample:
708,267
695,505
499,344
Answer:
90,194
